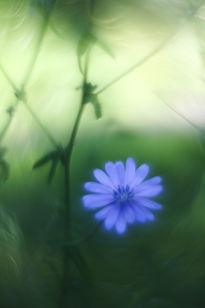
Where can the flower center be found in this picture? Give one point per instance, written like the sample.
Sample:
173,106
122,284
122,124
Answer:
123,195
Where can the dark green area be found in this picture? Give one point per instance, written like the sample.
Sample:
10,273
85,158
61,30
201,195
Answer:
153,265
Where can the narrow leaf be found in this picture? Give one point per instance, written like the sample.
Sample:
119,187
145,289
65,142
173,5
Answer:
45,159
52,170
105,48
83,45
96,106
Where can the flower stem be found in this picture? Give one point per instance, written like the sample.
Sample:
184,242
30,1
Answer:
132,67
7,77
37,49
40,124
67,251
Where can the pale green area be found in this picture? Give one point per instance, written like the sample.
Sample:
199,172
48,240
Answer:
176,73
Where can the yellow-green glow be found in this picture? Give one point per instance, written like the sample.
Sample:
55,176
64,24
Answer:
174,74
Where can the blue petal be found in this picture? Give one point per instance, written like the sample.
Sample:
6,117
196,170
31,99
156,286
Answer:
153,181
102,177
147,185
150,204
120,224
94,201
102,213
97,188
140,174
129,170
129,214
150,191
142,214
111,170
120,171
111,218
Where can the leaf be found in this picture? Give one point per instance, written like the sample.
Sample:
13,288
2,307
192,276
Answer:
52,170
96,106
83,45
54,157
45,159
105,48
87,40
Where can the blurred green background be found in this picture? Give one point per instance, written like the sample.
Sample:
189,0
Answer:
155,114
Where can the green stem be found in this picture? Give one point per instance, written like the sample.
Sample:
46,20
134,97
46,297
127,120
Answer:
37,48
7,77
8,123
132,67
66,166
43,128
197,128
66,249
69,147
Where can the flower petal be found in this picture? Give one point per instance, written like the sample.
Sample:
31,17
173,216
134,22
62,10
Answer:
111,170
97,188
111,218
100,215
147,185
102,177
153,181
143,214
94,201
150,204
120,224
120,172
150,191
140,174
129,170
129,214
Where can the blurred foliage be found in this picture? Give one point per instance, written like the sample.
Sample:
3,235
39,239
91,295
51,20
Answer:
156,265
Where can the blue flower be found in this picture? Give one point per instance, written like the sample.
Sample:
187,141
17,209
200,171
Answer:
122,194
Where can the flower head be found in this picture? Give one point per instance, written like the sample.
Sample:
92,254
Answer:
122,194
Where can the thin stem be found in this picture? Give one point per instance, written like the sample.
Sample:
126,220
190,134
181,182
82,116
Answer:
43,128
181,115
69,147
133,67
66,166
151,54
70,144
16,90
37,48
66,250
6,126
10,81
